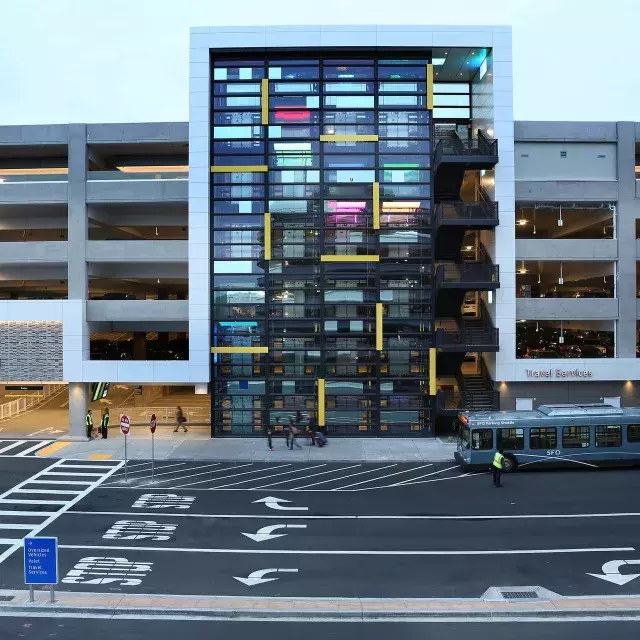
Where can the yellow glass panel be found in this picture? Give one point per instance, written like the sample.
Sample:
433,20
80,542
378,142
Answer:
249,168
376,205
432,371
430,86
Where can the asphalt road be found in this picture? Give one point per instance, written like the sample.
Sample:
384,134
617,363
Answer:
445,535
97,629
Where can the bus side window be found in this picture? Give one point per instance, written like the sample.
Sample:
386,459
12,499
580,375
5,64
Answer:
511,438
633,433
575,437
543,438
608,435
481,439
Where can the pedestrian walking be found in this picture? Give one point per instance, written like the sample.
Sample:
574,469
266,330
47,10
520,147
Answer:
313,427
269,431
293,435
180,420
496,467
89,424
104,423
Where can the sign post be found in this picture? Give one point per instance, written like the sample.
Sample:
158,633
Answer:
41,564
152,426
125,425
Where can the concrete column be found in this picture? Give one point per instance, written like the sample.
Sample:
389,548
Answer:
77,212
78,405
139,345
628,210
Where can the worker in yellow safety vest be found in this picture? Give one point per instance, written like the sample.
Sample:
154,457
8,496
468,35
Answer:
496,467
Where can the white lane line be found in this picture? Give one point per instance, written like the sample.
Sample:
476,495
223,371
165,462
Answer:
16,526
35,447
342,517
143,464
168,473
10,541
50,491
56,514
233,475
412,480
272,475
193,475
355,552
350,475
168,466
13,445
273,484
74,482
388,475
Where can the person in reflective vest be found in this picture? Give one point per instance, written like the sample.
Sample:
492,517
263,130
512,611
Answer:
496,467
104,423
89,423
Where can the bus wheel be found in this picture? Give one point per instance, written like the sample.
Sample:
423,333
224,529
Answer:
510,463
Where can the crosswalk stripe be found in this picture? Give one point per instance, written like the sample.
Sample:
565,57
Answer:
13,445
86,466
35,447
76,482
69,473
45,518
52,491
11,501
32,514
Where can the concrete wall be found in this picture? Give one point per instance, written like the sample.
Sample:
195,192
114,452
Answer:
567,308
569,392
134,311
569,160
566,249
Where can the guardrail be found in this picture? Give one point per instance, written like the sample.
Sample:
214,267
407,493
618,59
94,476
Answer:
196,415
16,407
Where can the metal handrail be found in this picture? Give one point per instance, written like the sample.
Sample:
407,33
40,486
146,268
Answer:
480,210
25,403
467,337
452,144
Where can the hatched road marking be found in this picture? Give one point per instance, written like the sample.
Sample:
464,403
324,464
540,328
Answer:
254,476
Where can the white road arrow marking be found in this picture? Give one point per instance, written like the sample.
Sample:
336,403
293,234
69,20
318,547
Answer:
611,572
265,533
276,503
256,576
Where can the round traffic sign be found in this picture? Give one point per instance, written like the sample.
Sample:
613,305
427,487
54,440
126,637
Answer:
124,424
153,423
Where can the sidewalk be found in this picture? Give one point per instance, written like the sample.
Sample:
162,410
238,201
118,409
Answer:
197,445
343,609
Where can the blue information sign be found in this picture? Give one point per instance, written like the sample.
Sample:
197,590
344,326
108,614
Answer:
41,560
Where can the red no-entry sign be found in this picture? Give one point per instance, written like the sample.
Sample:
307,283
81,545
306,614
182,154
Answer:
153,423
124,424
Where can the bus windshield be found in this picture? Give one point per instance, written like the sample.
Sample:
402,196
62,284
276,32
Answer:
463,438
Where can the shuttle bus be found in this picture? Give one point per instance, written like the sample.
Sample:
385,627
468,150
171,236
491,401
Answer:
571,435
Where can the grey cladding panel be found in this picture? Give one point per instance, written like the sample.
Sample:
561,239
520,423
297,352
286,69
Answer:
31,351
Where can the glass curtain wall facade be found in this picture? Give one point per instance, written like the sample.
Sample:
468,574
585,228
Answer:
321,248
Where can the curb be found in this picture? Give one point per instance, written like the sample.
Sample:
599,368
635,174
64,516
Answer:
297,614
